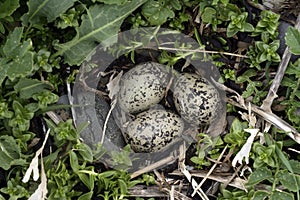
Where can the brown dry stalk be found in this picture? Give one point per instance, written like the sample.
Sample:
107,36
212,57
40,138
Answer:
279,75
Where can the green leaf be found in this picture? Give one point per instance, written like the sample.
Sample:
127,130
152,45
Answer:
7,7
43,11
13,41
158,12
259,175
279,195
86,196
74,161
231,32
101,22
260,195
248,27
208,15
88,180
28,87
245,76
117,2
292,39
288,180
18,61
10,152
85,151
123,186
295,166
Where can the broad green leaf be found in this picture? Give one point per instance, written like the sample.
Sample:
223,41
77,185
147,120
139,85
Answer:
101,22
158,12
117,2
208,14
292,39
288,180
9,152
85,151
260,195
86,196
43,11
123,186
13,41
20,67
7,7
279,195
88,180
74,161
295,165
259,175
3,69
245,77
28,87
18,61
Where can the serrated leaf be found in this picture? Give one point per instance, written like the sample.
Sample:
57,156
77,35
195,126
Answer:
45,11
292,39
18,61
7,7
13,41
20,67
9,151
101,23
28,87
259,175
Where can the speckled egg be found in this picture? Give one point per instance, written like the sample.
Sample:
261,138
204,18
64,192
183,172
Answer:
142,86
152,130
196,99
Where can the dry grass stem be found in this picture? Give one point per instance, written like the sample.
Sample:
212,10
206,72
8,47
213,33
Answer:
153,166
221,178
279,75
210,171
273,119
201,51
188,175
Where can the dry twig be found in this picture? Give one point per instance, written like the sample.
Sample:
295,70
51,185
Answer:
279,75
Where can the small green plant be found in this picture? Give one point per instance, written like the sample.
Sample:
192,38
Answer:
253,87
267,26
158,12
262,52
292,82
238,23
237,136
216,12
206,147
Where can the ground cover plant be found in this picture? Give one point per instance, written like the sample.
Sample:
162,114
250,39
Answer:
43,44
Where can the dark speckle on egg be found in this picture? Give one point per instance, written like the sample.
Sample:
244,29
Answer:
196,99
142,86
152,130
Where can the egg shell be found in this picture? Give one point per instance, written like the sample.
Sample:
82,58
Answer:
196,99
152,130
142,86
